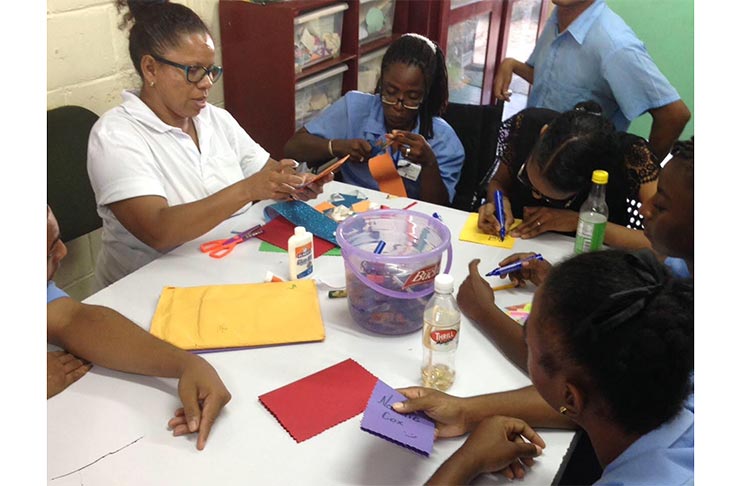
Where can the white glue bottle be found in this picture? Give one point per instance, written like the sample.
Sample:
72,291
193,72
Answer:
300,253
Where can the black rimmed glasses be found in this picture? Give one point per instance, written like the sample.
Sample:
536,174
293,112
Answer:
194,74
525,180
408,104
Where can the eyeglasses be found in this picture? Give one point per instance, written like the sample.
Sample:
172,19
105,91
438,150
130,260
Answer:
525,180
194,74
408,104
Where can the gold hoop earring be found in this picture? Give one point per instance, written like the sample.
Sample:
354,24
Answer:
563,410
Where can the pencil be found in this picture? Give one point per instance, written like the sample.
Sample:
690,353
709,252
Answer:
504,287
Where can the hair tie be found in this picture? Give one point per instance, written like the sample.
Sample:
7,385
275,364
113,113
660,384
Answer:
423,38
581,109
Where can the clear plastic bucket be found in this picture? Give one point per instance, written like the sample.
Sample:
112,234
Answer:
387,292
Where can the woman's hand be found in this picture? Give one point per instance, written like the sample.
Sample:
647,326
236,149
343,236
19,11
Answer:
358,149
537,220
412,146
475,297
488,222
448,412
277,180
532,270
63,369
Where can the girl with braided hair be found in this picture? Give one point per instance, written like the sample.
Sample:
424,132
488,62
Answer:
544,165
404,112
610,343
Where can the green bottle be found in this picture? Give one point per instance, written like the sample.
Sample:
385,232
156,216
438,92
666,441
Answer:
590,233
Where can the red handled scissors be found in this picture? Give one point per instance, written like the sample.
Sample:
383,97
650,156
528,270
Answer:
221,248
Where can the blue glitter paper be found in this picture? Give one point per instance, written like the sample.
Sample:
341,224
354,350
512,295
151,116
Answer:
301,214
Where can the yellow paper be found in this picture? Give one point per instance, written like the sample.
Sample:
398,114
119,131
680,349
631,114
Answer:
229,316
472,233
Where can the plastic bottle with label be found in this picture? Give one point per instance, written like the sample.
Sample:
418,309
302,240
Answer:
590,233
300,253
442,323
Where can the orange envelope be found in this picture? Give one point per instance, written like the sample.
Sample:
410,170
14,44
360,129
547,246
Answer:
233,316
383,170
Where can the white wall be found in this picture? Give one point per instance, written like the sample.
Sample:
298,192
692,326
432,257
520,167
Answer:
88,65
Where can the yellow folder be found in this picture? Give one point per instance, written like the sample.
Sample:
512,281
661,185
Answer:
231,316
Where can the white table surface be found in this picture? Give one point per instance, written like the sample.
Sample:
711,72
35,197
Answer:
107,410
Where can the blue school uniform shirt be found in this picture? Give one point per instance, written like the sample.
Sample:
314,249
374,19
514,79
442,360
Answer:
53,292
360,115
598,57
665,455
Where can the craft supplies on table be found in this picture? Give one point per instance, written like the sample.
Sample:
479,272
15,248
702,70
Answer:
221,248
315,93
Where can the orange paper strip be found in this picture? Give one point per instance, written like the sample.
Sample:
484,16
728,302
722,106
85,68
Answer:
383,170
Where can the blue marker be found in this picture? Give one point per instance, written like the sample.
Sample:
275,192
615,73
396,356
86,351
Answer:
499,206
437,217
512,267
379,247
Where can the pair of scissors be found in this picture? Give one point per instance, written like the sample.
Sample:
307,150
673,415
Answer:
221,248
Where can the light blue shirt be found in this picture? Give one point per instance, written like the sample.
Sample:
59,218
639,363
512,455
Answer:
665,455
360,115
598,57
53,292
678,267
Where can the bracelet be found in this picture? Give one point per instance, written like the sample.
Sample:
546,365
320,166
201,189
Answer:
329,145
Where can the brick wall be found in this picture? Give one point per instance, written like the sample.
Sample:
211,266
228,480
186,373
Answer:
88,65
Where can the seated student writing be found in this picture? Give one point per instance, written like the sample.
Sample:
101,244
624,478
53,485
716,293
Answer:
610,343
544,166
94,334
165,165
405,112
670,224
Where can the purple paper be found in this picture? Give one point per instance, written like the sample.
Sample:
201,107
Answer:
414,430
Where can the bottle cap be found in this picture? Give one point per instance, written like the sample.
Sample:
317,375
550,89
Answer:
599,177
444,283
299,230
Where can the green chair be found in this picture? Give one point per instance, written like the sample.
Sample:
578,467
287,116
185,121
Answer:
68,189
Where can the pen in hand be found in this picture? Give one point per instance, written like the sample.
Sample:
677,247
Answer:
499,207
513,266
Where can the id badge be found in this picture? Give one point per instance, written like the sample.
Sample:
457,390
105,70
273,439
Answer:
408,170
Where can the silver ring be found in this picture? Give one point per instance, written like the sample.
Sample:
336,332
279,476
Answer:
406,152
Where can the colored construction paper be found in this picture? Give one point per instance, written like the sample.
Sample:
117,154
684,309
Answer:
313,404
519,312
472,233
279,229
383,170
301,214
268,248
234,316
325,206
414,430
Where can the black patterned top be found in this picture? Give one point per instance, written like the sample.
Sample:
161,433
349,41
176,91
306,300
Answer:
516,139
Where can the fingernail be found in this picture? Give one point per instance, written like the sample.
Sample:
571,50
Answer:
397,406
193,425
539,449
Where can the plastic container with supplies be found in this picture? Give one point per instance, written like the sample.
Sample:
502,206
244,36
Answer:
387,291
376,19
369,70
590,232
317,35
442,321
300,253
317,92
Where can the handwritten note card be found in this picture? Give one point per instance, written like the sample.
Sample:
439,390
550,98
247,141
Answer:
472,233
414,431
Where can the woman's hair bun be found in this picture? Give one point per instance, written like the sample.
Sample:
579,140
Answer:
136,8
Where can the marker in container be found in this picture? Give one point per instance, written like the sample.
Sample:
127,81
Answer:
379,247
512,267
437,217
499,206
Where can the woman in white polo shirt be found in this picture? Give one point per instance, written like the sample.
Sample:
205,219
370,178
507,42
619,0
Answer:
165,165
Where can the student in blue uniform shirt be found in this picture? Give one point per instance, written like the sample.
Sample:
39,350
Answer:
610,343
405,112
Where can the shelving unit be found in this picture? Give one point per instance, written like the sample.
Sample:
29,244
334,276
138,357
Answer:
260,74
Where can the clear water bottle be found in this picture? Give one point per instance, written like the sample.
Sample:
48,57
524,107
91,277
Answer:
442,324
590,233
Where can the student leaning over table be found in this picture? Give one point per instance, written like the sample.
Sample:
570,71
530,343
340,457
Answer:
411,95
610,344
95,334
545,162
670,227
165,165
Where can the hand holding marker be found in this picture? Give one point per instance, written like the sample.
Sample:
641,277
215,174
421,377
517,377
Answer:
499,206
512,267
